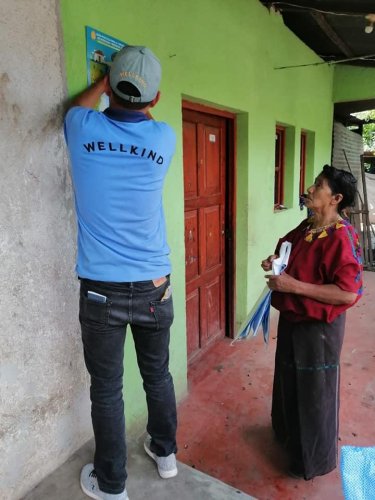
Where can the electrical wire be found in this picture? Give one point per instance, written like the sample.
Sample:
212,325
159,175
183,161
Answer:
359,58
304,7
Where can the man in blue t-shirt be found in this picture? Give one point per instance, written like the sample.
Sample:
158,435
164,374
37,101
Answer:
119,160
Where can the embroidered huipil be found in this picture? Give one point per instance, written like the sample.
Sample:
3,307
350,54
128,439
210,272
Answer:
331,256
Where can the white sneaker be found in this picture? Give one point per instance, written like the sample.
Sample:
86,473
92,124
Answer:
89,485
167,466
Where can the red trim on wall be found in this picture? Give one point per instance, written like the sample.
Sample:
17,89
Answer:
279,166
203,108
302,174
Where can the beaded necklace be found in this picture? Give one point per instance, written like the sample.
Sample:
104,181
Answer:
321,228
321,232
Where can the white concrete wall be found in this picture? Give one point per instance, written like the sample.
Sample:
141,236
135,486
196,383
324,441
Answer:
44,409
370,187
350,142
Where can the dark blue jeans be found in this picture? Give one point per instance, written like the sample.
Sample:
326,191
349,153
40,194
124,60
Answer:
103,327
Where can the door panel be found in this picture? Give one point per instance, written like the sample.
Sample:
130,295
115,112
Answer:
191,244
212,300
192,320
204,146
210,180
211,249
190,159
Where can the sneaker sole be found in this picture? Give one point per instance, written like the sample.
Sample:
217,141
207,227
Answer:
88,492
91,494
162,474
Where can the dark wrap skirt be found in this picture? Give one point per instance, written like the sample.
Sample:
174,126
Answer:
305,402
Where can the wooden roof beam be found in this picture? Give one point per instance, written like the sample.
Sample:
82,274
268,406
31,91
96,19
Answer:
322,22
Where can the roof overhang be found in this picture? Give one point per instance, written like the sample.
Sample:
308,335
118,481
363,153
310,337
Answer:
334,29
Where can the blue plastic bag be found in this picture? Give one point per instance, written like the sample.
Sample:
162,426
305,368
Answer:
260,315
358,472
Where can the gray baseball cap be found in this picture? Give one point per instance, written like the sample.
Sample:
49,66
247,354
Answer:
138,66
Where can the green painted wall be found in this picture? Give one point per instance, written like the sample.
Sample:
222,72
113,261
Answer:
223,54
353,83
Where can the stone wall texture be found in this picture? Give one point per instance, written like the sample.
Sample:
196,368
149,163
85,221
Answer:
44,407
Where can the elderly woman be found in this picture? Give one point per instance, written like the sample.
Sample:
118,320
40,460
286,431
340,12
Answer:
322,280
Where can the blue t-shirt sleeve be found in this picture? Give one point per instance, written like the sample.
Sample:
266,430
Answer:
74,120
169,138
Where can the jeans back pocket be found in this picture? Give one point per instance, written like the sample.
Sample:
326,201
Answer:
93,312
163,312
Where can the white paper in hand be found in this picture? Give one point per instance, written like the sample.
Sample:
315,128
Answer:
279,264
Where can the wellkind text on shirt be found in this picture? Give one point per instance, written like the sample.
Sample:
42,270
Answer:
97,146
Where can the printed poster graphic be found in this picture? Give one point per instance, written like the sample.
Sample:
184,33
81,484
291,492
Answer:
100,50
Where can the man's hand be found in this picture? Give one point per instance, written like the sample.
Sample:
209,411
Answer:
90,96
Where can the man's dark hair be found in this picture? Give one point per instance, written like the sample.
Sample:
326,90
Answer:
341,182
130,90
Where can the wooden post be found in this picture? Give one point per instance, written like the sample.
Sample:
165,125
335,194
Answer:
366,218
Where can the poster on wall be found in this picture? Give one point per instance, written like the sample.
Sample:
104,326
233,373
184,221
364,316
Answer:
100,50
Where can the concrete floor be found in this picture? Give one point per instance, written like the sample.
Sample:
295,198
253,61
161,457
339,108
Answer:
224,424
143,483
224,432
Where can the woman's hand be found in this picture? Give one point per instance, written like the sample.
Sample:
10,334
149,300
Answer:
328,294
282,283
267,263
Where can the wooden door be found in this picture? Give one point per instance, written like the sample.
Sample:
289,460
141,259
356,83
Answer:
204,148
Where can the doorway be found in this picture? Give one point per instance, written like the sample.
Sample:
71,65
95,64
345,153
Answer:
209,187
